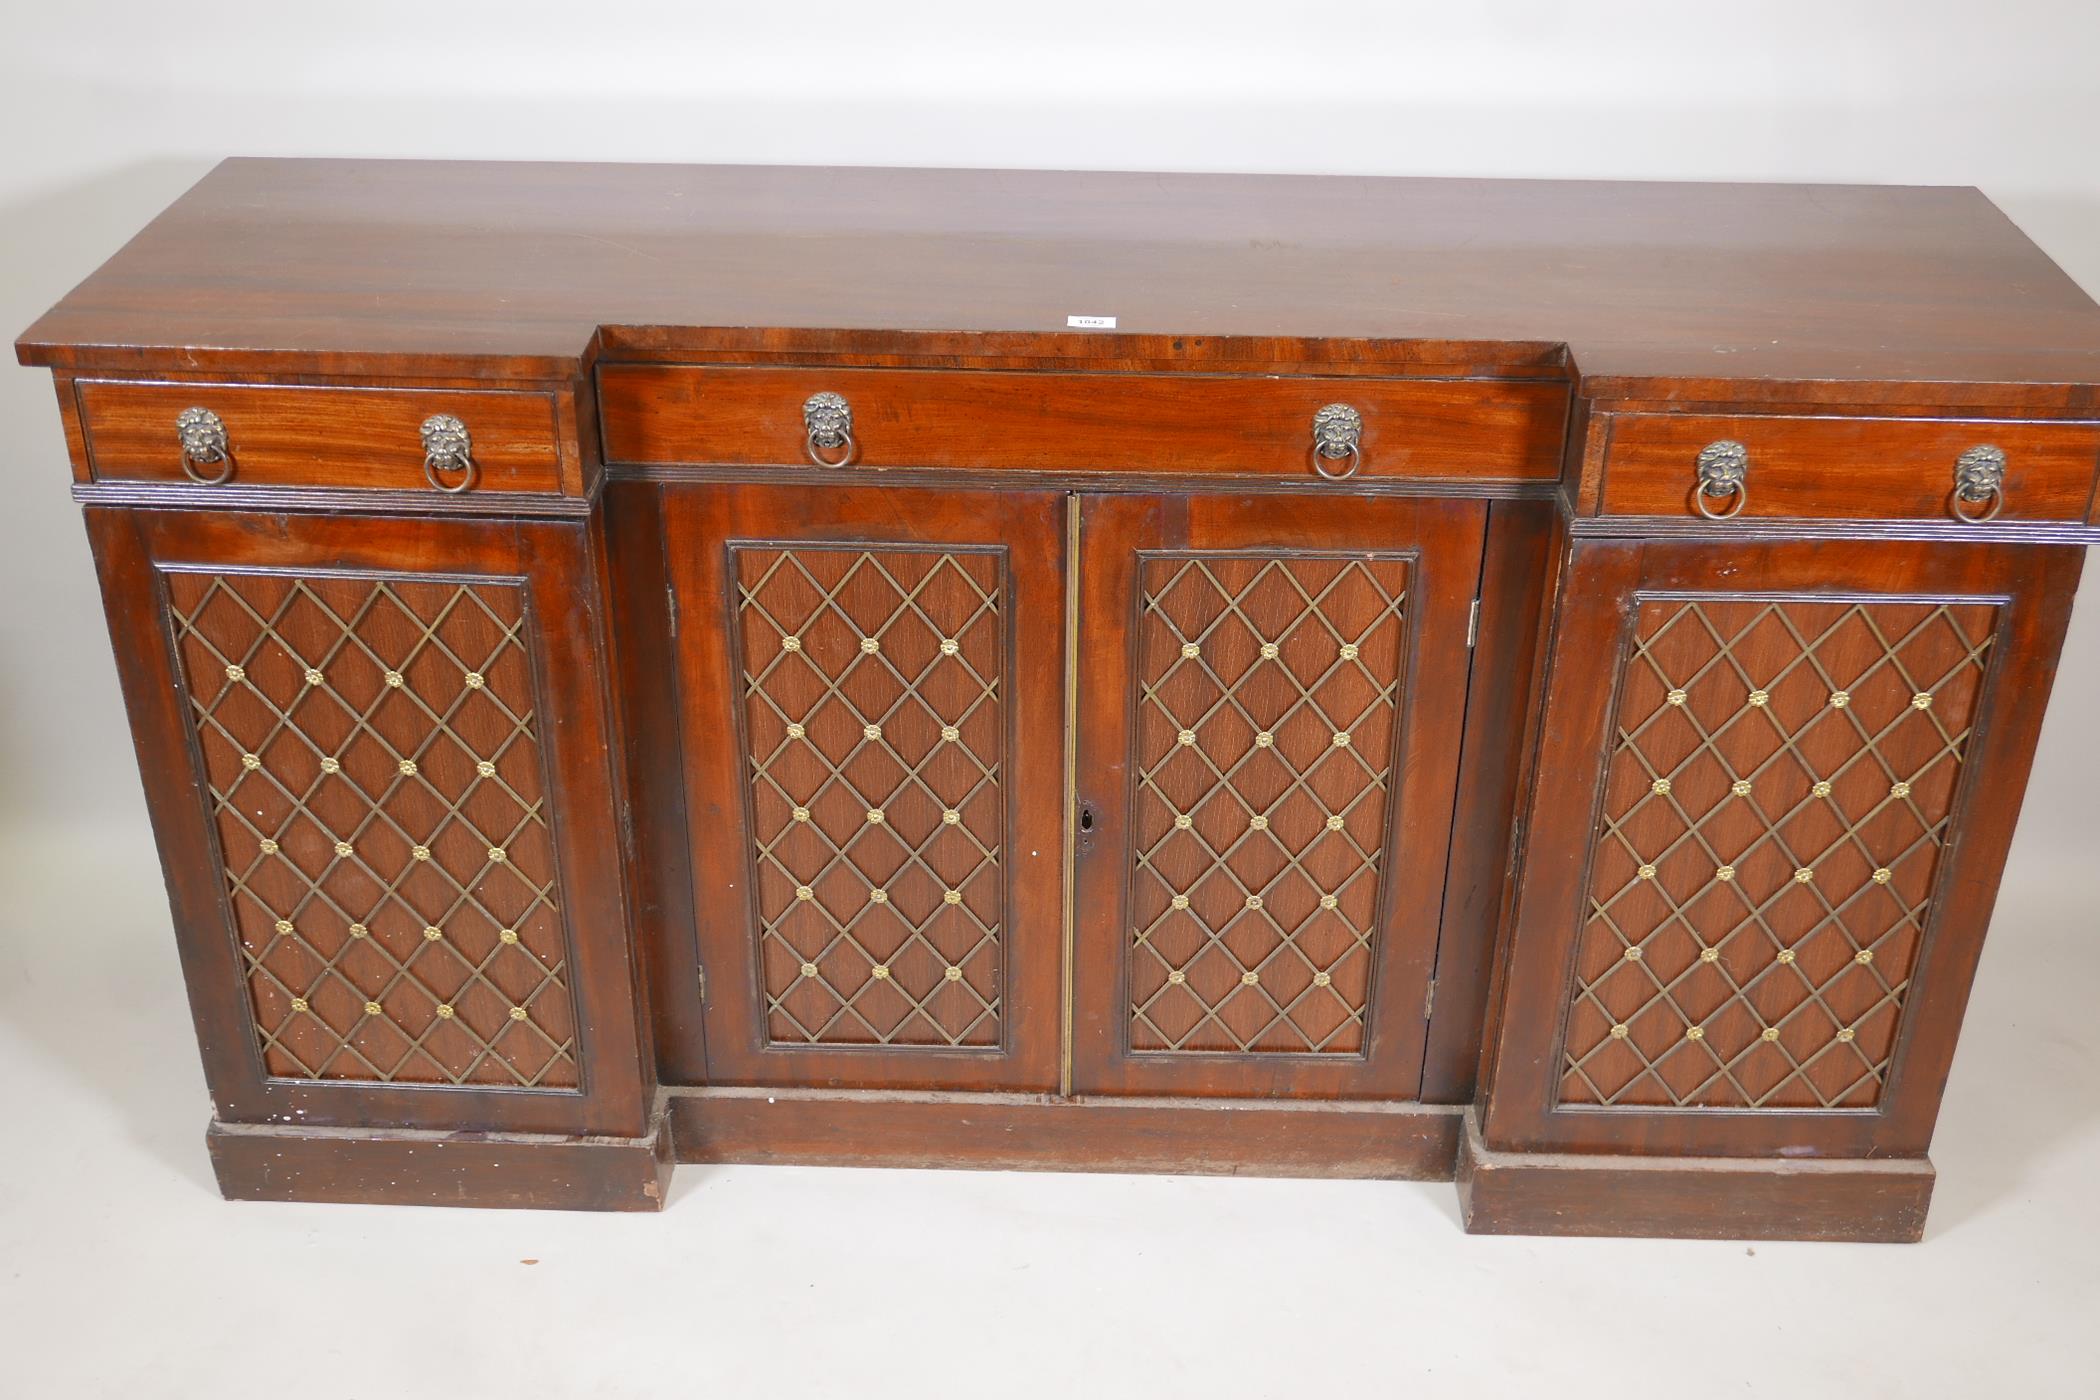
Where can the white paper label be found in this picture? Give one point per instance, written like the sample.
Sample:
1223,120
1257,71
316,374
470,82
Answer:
1091,323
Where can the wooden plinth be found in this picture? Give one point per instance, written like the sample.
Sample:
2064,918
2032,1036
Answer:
271,1162
1412,1142
1513,1193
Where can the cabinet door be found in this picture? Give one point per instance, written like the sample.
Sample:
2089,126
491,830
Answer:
1269,701
375,755
870,685
1773,795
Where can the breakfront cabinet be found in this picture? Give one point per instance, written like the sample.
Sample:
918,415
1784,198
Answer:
1522,683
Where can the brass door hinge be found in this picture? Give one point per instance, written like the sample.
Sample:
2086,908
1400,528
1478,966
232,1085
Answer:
1473,624
1429,999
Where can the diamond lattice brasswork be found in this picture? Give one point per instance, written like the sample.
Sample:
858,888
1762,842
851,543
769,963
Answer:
1268,689
378,794
875,733
1774,810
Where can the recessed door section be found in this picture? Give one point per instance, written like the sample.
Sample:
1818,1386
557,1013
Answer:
877,844
1270,714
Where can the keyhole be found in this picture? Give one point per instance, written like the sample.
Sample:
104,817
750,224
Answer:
1086,819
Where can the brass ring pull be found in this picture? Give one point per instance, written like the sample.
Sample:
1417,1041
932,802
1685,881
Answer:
1979,479
827,422
447,448
203,441
1354,457
1997,503
1723,474
1739,497
1337,436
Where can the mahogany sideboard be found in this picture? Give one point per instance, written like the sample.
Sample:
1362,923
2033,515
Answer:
1522,682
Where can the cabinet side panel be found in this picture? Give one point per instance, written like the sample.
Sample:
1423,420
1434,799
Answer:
1517,579
645,687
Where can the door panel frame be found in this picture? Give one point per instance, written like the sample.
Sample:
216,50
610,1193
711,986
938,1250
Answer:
1443,540
557,567
1605,582
703,526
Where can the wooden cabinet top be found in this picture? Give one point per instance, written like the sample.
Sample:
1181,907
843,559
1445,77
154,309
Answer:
1695,292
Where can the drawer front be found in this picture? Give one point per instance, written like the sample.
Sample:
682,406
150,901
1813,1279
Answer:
1848,468
1024,421
321,437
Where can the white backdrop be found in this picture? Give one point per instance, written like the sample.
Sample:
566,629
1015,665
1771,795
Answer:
115,108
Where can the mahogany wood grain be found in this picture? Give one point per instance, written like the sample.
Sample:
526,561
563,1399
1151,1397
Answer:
1516,577
334,437
1095,352
637,697
1027,1132
1771,292
70,424
645,691
1846,468
1201,425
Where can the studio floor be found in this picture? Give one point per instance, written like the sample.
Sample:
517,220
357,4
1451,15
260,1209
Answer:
125,1274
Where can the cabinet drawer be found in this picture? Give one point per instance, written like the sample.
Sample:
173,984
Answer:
1848,468
1058,422
323,437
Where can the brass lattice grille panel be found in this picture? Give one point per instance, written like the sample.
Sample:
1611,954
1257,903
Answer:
377,788
1268,689
1774,811
875,733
